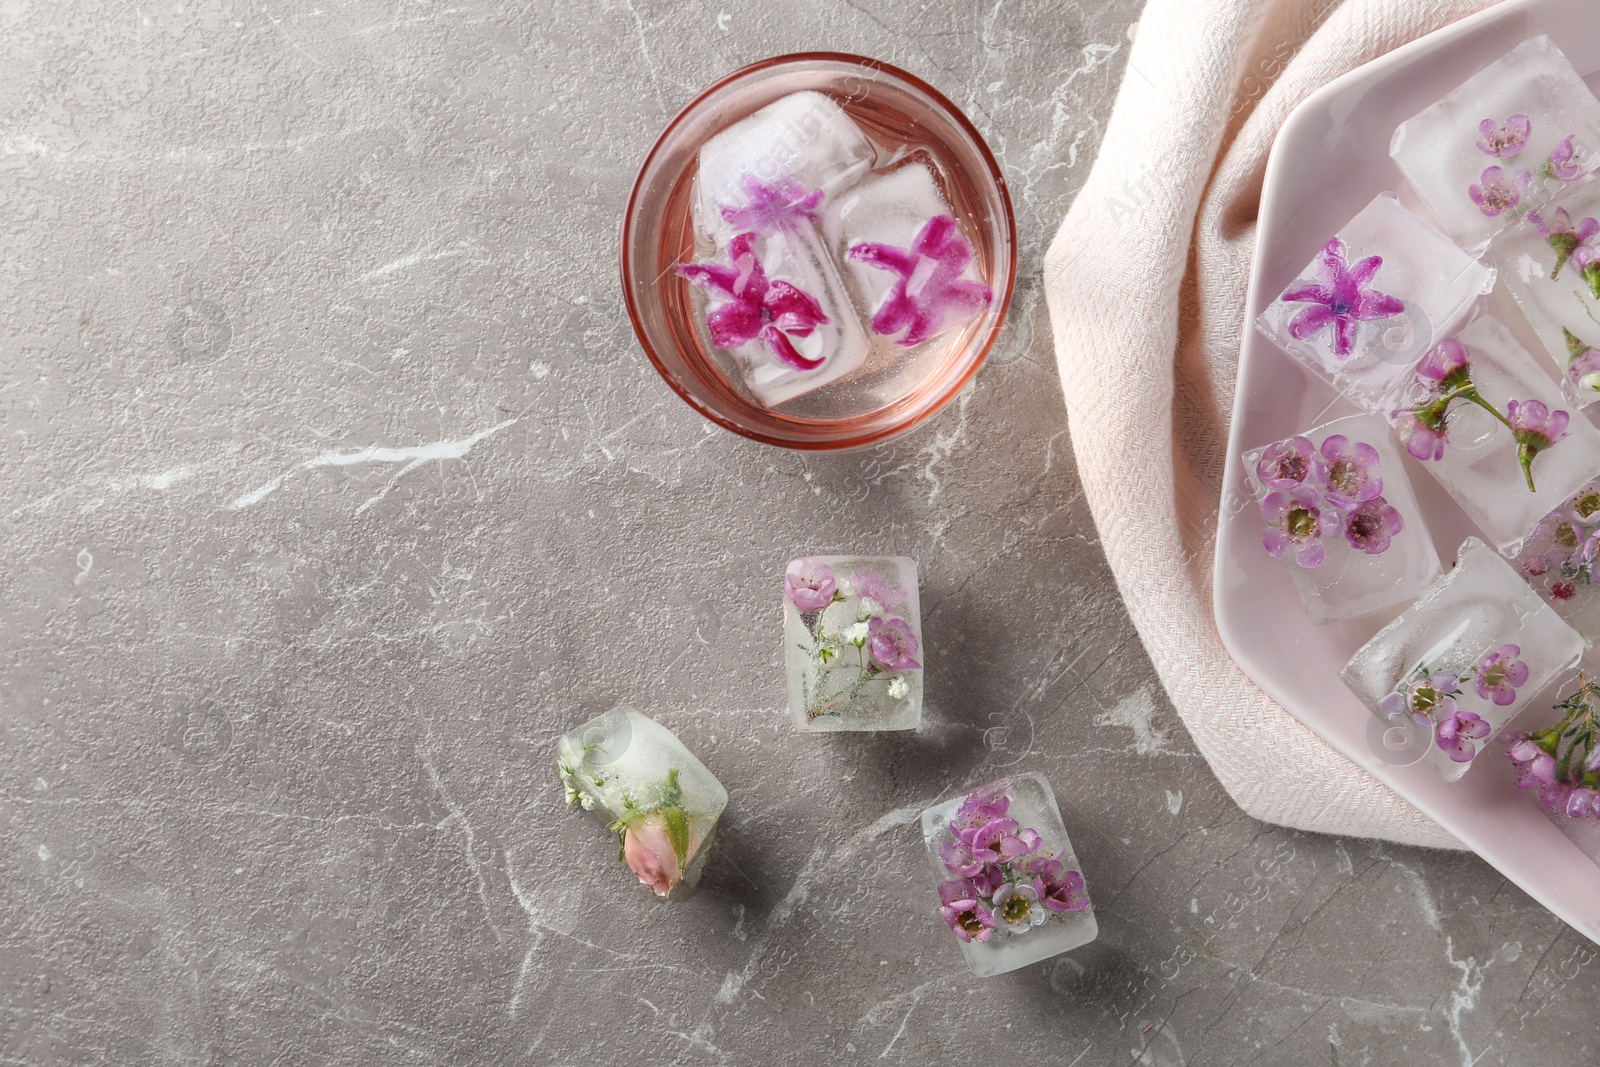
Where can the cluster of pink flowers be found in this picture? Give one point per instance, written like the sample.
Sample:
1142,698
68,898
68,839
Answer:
1429,697
1499,189
1006,877
1444,374
928,294
1324,492
1559,553
1562,763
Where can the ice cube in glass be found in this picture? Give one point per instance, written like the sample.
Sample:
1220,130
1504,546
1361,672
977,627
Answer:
1561,560
1550,261
1501,143
1463,660
1340,513
1008,912
1476,450
1377,295
852,643
635,774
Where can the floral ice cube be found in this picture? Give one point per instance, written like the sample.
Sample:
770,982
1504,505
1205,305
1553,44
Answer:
1550,260
852,643
1486,421
1010,887
1561,560
1559,762
1463,660
1379,293
907,255
1501,143
777,305
661,801
803,141
1339,511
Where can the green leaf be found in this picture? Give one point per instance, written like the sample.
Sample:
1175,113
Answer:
676,821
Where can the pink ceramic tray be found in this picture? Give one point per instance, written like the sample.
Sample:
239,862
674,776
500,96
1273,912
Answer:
1330,159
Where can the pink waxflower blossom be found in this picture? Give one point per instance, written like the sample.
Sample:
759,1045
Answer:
892,644
1427,698
774,205
1016,905
1060,889
773,311
1294,522
1562,165
1371,526
1443,363
977,811
1505,140
1285,464
1347,471
809,585
1456,733
1536,428
1423,440
869,586
929,293
967,915
1497,192
1341,299
1571,241
1500,673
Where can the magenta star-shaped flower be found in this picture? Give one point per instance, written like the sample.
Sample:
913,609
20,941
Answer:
1342,299
773,311
772,205
929,293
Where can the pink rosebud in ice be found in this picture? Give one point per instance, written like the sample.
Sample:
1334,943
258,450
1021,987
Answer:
647,846
809,585
892,644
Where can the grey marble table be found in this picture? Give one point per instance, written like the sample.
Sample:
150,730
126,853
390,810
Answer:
335,488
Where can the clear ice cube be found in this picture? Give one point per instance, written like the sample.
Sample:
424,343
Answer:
1375,548
1477,457
1027,925
640,779
1550,260
1473,649
1360,325
1561,560
852,643
1504,141
894,209
804,138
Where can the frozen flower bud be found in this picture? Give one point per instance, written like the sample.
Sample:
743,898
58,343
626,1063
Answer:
856,634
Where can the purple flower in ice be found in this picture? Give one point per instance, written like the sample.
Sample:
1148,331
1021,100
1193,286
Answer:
977,811
1500,673
1456,734
958,856
1443,366
1505,140
1566,238
1426,698
886,595
989,879
1341,298
929,292
1423,438
998,842
774,311
1016,904
1561,163
1059,889
1371,526
1536,429
1285,464
1348,471
892,644
967,915
1536,768
1583,368
809,585
774,205
1294,520
1497,191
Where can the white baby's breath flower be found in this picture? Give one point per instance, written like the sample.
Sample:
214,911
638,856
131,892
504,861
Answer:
573,796
857,634
842,587
869,608
1590,381
898,689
